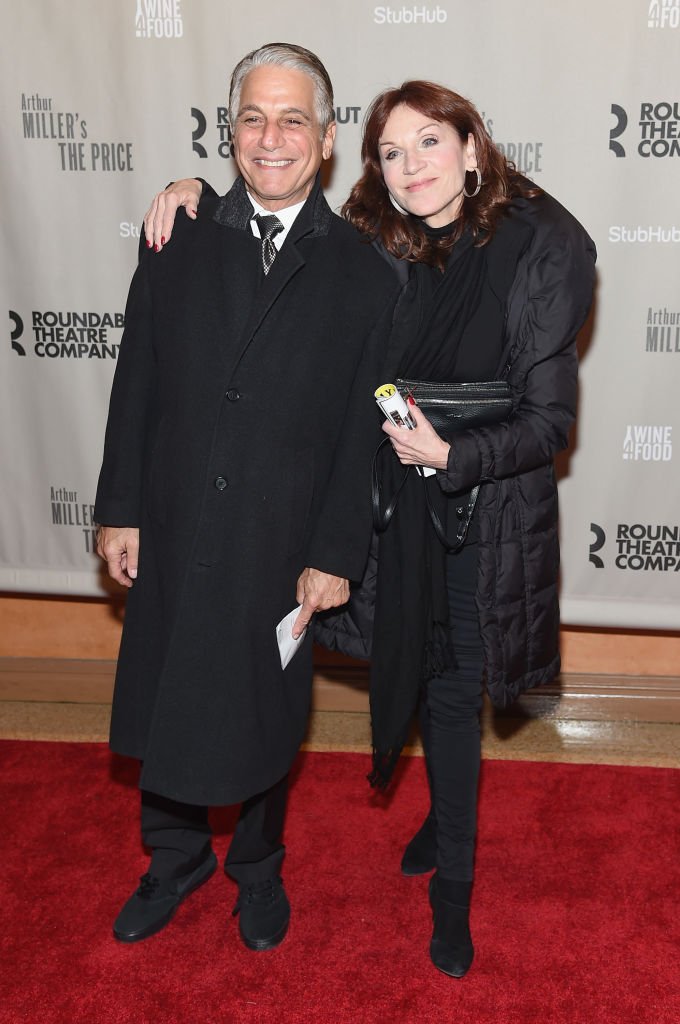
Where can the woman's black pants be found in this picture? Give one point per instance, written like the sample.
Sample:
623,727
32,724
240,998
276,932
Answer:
449,715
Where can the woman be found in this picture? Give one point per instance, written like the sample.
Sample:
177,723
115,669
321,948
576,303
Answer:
498,279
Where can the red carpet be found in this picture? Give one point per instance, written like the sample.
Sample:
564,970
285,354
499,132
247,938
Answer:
575,914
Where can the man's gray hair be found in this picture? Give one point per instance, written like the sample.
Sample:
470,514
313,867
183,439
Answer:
286,55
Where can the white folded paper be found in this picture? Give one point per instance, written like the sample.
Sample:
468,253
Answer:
284,636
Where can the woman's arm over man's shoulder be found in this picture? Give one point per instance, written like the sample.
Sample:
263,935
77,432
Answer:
159,219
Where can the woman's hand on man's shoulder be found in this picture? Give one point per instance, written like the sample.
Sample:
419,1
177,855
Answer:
159,219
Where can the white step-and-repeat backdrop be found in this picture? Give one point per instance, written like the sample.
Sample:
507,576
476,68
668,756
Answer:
103,103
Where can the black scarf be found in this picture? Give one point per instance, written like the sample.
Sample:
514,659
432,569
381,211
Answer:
410,636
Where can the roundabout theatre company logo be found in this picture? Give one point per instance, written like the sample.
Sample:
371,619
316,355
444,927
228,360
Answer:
659,125
640,547
219,131
66,334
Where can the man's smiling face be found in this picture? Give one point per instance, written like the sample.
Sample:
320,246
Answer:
277,137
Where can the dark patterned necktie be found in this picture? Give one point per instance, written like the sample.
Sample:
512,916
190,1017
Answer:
269,226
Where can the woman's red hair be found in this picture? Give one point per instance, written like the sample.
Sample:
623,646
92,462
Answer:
369,208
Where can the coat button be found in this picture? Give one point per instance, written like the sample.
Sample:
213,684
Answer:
233,394
460,511
220,483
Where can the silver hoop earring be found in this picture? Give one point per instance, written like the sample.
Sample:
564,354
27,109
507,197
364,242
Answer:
471,195
396,205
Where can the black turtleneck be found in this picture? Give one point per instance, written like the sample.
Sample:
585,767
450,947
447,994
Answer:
442,232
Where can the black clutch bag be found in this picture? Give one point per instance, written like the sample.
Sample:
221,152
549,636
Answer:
449,408
453,407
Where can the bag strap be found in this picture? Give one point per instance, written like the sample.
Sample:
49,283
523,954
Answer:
463,527
381,520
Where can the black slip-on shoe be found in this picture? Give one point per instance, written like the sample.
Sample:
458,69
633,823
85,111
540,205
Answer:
264,913
151,907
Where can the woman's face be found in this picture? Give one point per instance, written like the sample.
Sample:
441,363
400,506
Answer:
424,163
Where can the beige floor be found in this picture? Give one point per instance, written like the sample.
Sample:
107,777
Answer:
513,738
597,718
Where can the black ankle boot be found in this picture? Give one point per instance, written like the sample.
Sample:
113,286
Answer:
421,853
451,949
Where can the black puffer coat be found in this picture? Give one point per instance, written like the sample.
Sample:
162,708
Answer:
517,593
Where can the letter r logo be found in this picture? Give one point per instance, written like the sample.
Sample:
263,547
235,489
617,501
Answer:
17,331
618,129
198,132
597,544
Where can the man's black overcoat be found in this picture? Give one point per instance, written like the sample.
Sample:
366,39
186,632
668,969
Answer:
239,439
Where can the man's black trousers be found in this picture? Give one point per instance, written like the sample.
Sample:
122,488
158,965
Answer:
179,835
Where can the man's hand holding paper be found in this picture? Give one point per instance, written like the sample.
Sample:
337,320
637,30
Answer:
317,591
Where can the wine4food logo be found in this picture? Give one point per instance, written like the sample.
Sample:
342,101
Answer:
645,443
663,14
43,121
640,547
66,334
158,19
67,510
659,129
663,330
415,14
212,133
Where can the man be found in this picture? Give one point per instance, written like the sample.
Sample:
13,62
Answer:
235,481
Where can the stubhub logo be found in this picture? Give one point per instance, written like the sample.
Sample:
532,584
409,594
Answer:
418,14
